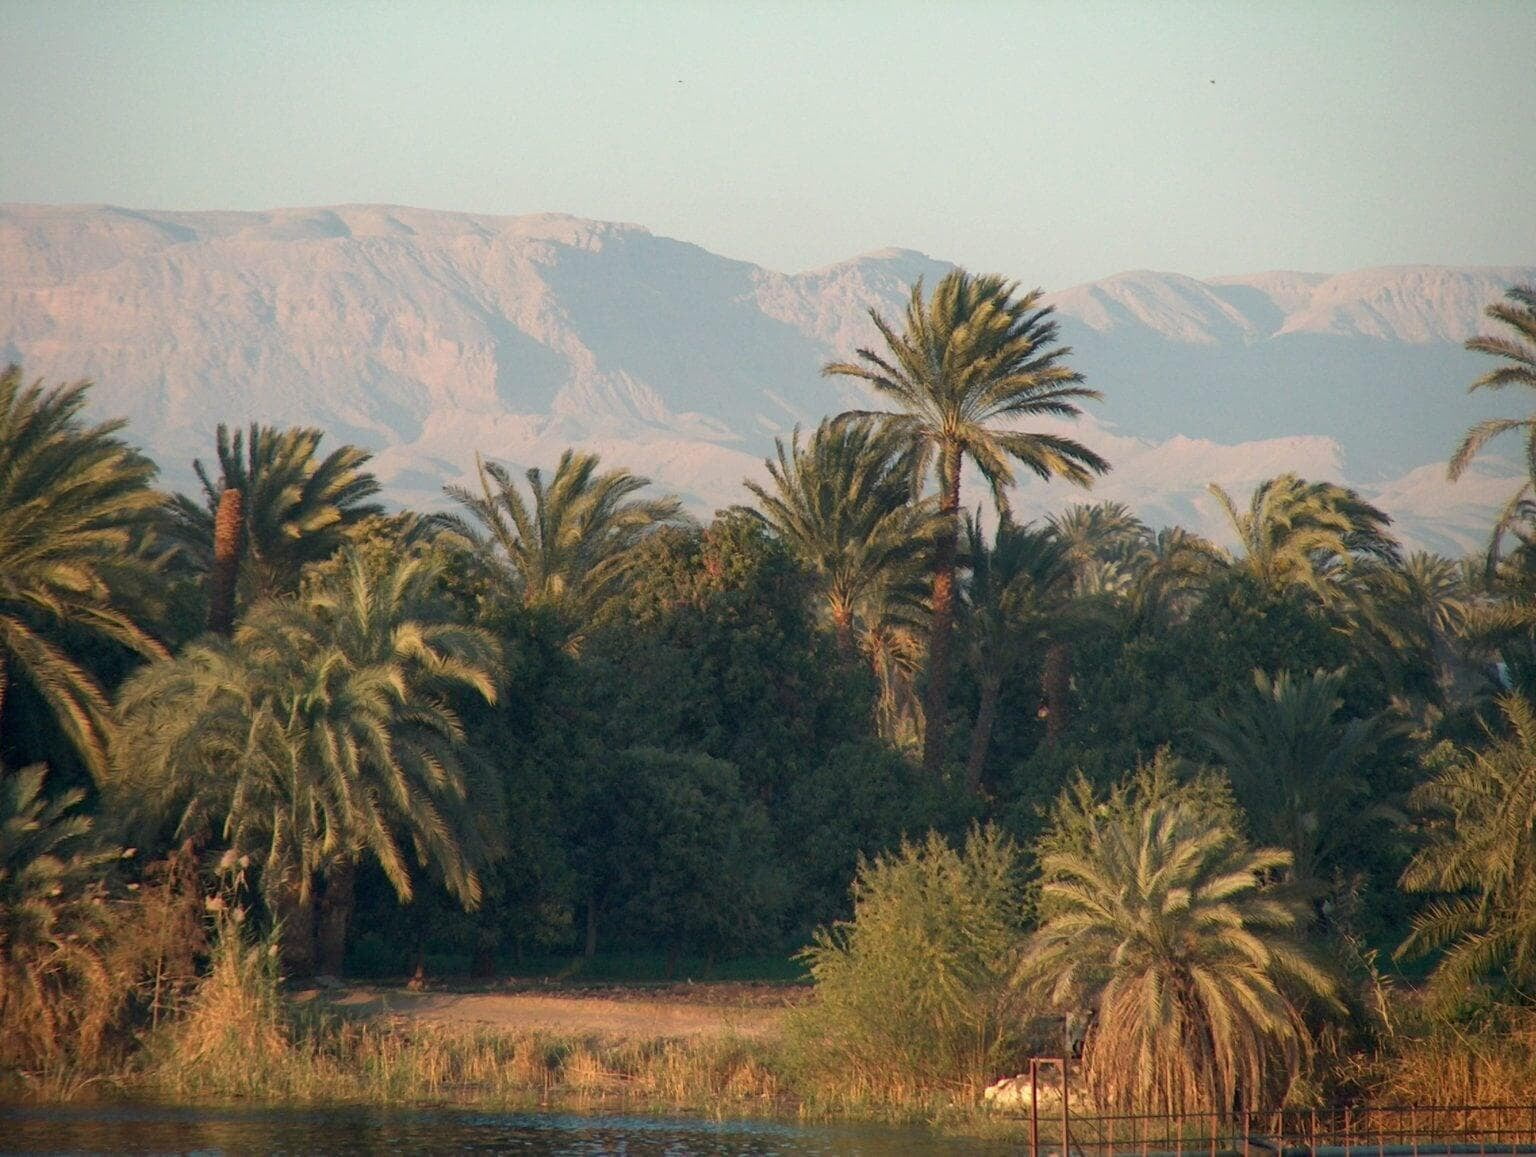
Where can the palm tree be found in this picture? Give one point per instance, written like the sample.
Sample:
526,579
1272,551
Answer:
1018,590
75,503
1481,856
1305,534
275,506
1104,541
1154,910
57,988
566,547
1519,352
973,360
1170,575
1294,764
840,503
323,734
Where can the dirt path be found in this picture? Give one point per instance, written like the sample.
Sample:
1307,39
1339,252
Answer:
676,1011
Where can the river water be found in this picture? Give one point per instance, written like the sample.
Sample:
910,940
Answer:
142,1128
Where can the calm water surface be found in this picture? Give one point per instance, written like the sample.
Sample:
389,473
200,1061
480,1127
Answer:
139,1128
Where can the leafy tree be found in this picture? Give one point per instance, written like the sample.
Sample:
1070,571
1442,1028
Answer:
1295,764
1154,911
75,507
58,991
569,545
1481,857
1519,354
913,993
975,359
671,847
1305,534
841,504
323,734
274,507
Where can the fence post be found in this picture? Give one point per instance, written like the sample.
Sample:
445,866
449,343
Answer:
1034,1107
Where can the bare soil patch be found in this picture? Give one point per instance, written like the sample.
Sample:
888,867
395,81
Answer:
614,1011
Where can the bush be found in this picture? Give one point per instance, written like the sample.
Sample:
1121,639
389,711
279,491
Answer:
913,995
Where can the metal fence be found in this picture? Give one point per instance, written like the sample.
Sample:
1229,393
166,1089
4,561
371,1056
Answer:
1386,1131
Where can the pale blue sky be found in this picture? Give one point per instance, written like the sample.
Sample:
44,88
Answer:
1052,141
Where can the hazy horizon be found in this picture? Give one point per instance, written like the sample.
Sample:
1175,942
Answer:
1061,145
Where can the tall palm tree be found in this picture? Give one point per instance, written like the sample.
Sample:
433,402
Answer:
840,503
1481,857
1519,354
1305,534
323,734
1294,763
57,988
568,545
1018,590
275,506
973,360
1154,910
75,503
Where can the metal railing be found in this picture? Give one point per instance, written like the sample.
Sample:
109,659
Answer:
1356,1131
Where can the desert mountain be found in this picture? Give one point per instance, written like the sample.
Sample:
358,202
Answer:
430,336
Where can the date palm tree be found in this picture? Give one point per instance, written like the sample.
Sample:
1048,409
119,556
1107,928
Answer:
1519,353
567,546
1019,587
1154,910
1305,534
275,506
974,360
57,988
1295,764
75,504
324,734
841,504
1481,859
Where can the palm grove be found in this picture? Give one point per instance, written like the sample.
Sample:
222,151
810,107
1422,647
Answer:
565,719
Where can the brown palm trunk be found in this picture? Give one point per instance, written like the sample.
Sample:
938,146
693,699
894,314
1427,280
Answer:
936,700
228,546
297,915
1055,687
335,914
981,735
842,624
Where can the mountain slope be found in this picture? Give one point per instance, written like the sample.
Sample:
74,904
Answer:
428,336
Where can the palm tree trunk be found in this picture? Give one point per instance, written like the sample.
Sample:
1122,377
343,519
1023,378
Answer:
298,933
936,700
228,546
842,624
590,948
335,914
981,734
1055,687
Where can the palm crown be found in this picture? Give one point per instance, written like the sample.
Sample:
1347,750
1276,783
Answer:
74,503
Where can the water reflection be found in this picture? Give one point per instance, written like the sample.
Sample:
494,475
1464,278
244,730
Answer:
139,1128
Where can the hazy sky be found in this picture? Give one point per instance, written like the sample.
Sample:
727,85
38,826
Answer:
1055,142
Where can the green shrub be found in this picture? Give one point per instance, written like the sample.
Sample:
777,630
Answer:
912,995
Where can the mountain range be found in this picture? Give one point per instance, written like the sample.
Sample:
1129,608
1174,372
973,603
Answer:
432,336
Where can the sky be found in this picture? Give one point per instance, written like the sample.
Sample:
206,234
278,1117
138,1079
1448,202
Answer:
1055,141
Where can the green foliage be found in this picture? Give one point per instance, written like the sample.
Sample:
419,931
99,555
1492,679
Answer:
323,733
913,993
1154,912
60,987
1480,855
674,852
1296,765
76,512
569,546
